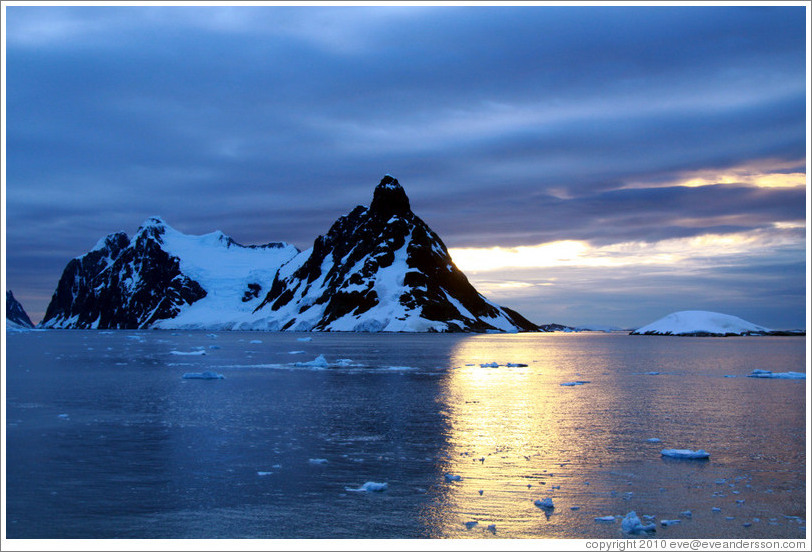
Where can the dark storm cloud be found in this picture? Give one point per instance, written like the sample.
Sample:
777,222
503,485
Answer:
507,126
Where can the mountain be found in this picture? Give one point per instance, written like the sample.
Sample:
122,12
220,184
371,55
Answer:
16,317
162,274
701,323
378,268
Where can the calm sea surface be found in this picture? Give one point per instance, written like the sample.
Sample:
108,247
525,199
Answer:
105,439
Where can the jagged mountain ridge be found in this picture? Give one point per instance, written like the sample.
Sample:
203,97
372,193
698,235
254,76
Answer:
381,268
157,276
378,268
15,313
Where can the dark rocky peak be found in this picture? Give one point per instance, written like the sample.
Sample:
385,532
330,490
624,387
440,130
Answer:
152,228
389,199
15,311
112,244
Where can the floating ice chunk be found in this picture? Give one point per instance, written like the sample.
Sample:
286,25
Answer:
492,528
686,454
295,352
255,341
716,509
489,365
729,518
720,481
776,375
652,373
481,491
451,477
605,519
199,352
575,508
203,375
471,524
747,524
63,416
573,383
631,524
318,362
516,365
304,339
730,376
686,513
263,473
649,518
316,461
545,503
369,486
653,440
214,347
667,522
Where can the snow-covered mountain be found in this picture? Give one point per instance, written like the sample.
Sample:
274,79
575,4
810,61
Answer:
163,274
700,323
379,268
16,317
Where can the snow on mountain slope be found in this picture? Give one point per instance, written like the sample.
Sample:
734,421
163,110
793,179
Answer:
700,323
163,274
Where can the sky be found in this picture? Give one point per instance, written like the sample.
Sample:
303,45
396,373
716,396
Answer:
585,165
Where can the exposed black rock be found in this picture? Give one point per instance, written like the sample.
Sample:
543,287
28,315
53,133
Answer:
381,268
16,313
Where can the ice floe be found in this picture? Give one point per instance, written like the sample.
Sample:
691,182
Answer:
605,519
199,352
318,362
545,503
203,375
264,473
632,525
369,486
573,383
317,461
776,375
667,522
304,339
653,440
686,454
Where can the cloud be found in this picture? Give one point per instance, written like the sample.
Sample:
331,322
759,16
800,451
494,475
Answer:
508,126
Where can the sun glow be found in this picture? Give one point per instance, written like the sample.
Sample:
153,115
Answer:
669,252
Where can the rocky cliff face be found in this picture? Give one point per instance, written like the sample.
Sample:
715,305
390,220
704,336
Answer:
15,313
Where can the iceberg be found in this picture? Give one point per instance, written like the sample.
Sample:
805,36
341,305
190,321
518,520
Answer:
203,375
631,524
685,454
545,503
776,375
369,486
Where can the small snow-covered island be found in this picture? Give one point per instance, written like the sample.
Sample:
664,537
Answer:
706,324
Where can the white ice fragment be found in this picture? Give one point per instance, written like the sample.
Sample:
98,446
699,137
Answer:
667,522
490,365
295,352
451,477
255,341
545,503
203,375
649,518
686,513
318,362
686,454
652,373
304,339
653,440
716,509
316,461
631,524
264,473
573,383
199,352
369,486
62,416
605,519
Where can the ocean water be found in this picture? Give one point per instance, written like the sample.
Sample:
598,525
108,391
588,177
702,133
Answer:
106,439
